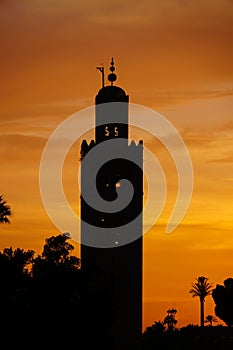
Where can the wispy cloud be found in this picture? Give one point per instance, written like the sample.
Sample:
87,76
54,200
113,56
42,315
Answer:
226,159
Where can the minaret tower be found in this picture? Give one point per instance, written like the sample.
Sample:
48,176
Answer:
112,262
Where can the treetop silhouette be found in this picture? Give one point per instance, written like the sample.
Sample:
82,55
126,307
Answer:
5,211
170,319
210,319
223,298
201,288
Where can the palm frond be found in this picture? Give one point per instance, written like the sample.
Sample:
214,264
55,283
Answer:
5,211
201,287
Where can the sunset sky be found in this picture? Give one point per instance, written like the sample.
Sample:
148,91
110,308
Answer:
172,56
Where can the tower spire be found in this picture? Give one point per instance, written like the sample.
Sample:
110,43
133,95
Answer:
112,76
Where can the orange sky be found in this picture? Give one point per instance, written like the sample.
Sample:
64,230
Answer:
172,56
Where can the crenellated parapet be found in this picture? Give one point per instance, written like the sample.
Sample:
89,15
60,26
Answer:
135,144
86,147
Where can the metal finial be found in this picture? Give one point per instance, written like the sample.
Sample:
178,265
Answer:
112,76
101,69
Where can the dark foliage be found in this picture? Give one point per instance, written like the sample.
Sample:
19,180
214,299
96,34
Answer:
40,297
191,337
223,298
170,320
47,301
5,211
160,336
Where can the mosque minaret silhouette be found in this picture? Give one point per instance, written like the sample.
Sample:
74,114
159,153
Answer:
113,261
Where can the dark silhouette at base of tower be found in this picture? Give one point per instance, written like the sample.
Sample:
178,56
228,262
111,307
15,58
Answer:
111,235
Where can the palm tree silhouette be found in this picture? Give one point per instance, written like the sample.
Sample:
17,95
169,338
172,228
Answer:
201,288
5,211
211,319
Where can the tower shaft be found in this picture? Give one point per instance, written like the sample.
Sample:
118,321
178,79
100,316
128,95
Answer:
111,242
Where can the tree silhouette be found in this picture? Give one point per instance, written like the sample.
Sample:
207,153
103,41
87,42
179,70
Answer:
5,211
153,335
210,319
55,292
15,281
56,272
57,249
157,327
170,319
40,297
201,288
223,298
